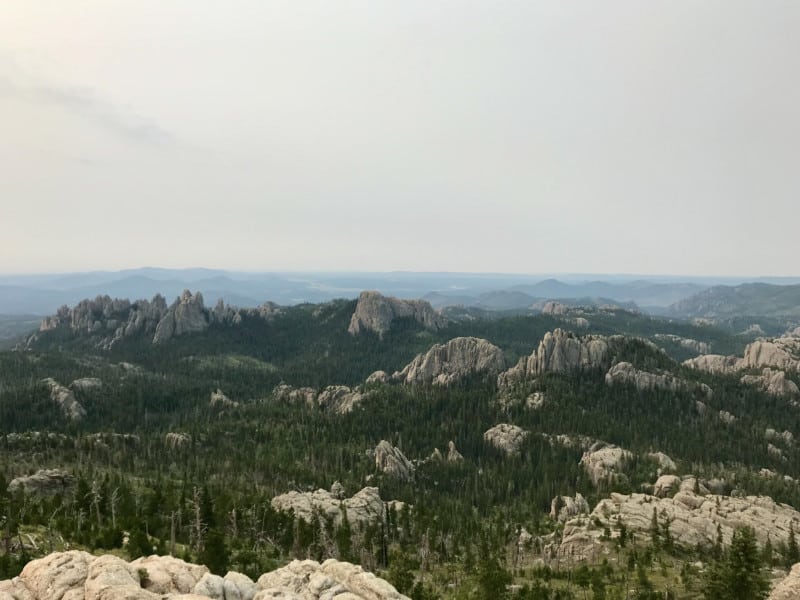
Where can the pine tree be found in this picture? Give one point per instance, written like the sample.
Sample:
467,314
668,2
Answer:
739,575
792,551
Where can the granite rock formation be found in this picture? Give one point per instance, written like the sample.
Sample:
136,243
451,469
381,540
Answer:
65,399
376,312
363,507
506,437
604,462
391,461
626,373
77,574
42,484
446,363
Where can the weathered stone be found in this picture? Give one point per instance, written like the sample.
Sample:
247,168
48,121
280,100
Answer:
65,399
789,587
176,440
446,363
365,506
626,373
220,400
169,575
772,382
564,508
86,383
391,461
375,312
665,463
603,463
61,575
506,437
453,455
666,485
44,483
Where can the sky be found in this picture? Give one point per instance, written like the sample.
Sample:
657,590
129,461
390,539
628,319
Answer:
658,137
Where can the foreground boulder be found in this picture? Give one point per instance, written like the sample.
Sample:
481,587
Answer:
445,364
376,312
78,575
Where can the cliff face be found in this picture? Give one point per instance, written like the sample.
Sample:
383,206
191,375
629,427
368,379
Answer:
375,312
446,363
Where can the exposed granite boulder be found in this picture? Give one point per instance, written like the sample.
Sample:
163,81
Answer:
186,315
42,484
555,308
453,455
65,399
779,353
604,463
564,508
391,461
339,399
688,343
789,587
446,363
310,580
220,400
626,373
86,383
364,507
77,575
665,463
506,437
177,440
666,485
693,520
713,363
379,377
560,352
772,382
785,437
375,312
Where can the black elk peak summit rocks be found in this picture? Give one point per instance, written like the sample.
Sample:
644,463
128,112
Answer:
376,312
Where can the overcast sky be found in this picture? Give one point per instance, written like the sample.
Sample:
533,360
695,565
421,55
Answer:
654,137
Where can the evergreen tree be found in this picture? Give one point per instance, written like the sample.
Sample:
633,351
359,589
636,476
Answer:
739,575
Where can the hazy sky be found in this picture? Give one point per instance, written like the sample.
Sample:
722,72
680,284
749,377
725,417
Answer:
549,136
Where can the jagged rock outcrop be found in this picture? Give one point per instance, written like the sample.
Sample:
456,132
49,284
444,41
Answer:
186,315
626,373
288,393
713,363
391,461
555,308
560,352
42,484
666,485
77,575
220,400
577,442
772,382
339,399
506,437
65,399
177,440
564,508
688,343
453,455
665,463
789,587
785,437
379,377
310,580
86,383
604,463
693,519
446,363
375,312
363,507
110,321
779,353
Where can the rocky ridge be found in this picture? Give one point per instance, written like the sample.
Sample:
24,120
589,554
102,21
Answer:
339,399
364,507
391,461
693,518
65,399
626,373
446,363
76,574
376,312
44,483
112,320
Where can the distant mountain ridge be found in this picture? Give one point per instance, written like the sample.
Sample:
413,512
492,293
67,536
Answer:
751,299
